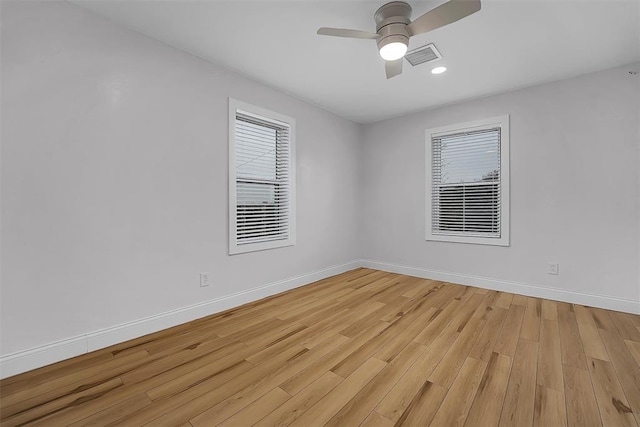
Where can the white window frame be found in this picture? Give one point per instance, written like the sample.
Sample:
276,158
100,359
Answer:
503,123
235,107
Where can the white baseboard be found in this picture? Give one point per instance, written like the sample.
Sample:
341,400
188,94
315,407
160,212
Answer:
593,300
22,361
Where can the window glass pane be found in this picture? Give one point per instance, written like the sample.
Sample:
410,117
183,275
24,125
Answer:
255,151
252,193
470,157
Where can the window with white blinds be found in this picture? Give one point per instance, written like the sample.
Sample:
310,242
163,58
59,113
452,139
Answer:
468,182
261,177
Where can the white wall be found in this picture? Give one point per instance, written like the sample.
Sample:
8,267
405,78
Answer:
574,190
114,178
114,188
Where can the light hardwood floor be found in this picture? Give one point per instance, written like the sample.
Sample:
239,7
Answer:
364,348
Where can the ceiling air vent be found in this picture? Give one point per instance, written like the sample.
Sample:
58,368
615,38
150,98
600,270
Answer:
423,54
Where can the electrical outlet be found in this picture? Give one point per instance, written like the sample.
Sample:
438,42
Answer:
204,280
553,268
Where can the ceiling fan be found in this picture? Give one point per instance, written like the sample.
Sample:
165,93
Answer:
394,28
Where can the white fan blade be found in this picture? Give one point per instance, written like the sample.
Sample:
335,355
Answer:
393,68
442,15
340,32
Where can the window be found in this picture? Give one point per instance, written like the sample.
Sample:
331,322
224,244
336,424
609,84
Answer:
468,182
261,179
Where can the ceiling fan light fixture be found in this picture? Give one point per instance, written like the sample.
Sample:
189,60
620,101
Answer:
393,51
393,47
394,28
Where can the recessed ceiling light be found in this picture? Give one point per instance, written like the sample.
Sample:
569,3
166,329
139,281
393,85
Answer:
439,70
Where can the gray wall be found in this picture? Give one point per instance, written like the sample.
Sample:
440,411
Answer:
114,178
574,187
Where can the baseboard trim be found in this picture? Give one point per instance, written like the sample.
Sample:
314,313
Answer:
26,360
23,361
593,300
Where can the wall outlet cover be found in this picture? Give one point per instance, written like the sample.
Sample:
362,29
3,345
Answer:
204,280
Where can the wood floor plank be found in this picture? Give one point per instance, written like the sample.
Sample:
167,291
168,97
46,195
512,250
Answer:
456,405
467,311
487,404
52,372
433,329
549,357
392,291
171,345
483,347
258,332
602,319
583,315
635,320
519,300
296,333
365,347
223,370
299,309
62,386
355,328
549,310
504,300
388,337
201,396
612,403
634,349
508,338
90,407
258,409
420,285
626,328
313,371
306,398
455,358
400,341
360,406
405,391
54,406
260,386
549,408
531,321
421,410
332,402
582,409
320,331
571,341
518,407
593,345
626,368
116,412
376,420
402,306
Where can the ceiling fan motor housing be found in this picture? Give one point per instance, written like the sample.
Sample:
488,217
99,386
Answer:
391,23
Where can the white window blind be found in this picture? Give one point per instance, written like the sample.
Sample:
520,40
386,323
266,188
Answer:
466,181
468,185
262,175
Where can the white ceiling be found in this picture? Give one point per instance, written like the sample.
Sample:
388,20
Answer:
507,45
